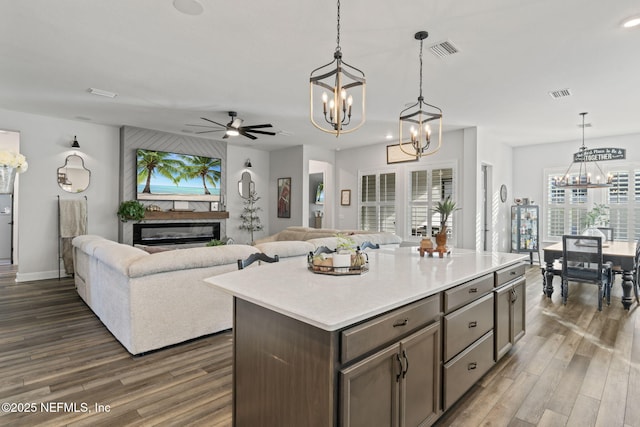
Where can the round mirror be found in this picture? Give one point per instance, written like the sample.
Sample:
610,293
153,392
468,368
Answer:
245,185
73,176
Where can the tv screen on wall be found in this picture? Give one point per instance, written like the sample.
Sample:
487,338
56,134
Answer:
163,175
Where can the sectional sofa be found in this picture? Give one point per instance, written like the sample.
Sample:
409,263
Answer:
153,300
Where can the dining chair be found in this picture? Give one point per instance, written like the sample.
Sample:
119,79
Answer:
258,256
582,262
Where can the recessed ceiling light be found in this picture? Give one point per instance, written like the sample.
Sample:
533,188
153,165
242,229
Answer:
102,92
389,136
634,21
188,7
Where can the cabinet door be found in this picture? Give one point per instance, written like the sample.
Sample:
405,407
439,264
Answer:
510,311
420,387
518,302
370,390
502,331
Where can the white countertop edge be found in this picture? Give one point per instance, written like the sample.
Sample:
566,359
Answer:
375,311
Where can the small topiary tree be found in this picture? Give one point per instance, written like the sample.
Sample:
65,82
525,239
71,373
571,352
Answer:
249,216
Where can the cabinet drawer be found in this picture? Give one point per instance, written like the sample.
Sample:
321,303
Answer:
467,368
374,333
467,292
465,325
509,273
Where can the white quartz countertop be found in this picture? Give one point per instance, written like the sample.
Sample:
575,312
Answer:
396,277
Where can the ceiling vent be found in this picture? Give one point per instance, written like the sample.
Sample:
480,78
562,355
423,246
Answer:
442,49
557,94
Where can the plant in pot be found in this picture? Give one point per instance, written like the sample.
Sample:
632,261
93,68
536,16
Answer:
131,210
445,209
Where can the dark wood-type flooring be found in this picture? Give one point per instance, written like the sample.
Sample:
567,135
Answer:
574,367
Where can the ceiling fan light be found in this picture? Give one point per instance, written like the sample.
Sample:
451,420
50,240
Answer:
631,22
232,132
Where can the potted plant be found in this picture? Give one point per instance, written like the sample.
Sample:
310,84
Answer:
445,209
130,210
598,216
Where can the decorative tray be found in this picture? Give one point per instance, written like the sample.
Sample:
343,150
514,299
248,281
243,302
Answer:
339,271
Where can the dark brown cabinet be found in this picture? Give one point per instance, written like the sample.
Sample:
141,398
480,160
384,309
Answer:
510,315
397,386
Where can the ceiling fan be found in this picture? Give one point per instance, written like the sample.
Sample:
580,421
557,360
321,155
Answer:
235,128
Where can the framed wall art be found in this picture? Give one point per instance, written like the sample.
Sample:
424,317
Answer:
396,155
284,197
345,197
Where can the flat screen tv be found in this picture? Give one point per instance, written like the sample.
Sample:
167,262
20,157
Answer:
172,176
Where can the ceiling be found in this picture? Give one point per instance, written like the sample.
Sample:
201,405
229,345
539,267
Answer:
254,57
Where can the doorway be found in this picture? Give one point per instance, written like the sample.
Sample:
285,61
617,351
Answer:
9,141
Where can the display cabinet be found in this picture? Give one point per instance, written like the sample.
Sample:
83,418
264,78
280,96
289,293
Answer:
525,229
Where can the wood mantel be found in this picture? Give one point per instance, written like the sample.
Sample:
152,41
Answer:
169,215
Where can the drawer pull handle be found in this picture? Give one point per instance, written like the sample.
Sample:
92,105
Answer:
473,324
473,290
402,322
472,366
513,273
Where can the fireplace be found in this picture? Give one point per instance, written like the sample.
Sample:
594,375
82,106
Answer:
175,233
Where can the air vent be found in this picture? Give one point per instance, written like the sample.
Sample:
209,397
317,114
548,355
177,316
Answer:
556,94
445,48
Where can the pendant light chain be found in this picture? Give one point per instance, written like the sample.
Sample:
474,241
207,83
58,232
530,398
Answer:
420,98
338,48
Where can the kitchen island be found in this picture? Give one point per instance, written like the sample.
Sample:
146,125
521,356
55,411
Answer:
314,349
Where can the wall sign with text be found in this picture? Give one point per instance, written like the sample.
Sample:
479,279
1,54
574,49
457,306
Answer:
600,154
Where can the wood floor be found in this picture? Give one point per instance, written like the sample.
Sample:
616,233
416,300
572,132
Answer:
574,367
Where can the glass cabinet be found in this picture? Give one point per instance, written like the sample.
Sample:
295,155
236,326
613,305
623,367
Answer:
525,229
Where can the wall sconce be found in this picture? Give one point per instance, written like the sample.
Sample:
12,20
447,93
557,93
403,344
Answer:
75,143
247,164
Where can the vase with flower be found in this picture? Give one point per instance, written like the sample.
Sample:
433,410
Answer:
10,164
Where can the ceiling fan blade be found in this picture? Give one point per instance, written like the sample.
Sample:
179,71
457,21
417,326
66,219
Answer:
219,124
225,136
201,126
243,133
208,131
257,126
261,132
236,123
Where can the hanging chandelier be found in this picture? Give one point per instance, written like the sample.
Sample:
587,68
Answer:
415,121
589,174
340,88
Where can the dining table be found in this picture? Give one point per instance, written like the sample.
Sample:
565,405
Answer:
620,254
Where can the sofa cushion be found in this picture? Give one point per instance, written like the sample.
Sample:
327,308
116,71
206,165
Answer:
184,259
286,249
118,256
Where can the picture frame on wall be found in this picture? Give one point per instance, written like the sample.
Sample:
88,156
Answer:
396,155
284,197
345,197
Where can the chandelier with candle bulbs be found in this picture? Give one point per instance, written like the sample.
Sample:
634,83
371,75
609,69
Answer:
341,90
416,134
589,174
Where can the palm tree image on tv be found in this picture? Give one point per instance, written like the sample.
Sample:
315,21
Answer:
172,176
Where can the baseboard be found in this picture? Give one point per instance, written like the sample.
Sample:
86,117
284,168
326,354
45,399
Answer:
40,275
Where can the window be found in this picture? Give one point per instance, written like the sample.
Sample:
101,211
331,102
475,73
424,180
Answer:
378,202
428,187
566,209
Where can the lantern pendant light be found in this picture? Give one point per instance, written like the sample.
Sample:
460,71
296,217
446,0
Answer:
416,132
339,89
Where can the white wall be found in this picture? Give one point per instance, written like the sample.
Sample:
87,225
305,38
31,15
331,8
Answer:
374,157
46,142
288,163
236,158
499,157
530,161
